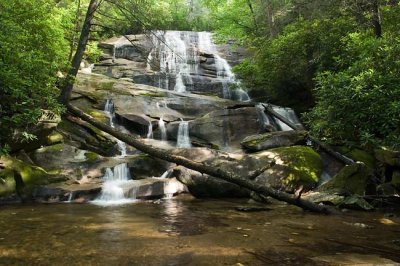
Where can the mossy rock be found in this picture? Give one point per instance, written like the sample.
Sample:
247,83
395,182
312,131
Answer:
54,138
352,179
295,166
358,155
388,156
31,175
273,140
153,94
100,116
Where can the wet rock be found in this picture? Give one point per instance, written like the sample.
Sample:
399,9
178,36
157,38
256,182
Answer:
222,128
252,209
153,188
203,186
352,179
273,140
356,202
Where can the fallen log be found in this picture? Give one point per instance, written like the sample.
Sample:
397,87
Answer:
315,141
201,167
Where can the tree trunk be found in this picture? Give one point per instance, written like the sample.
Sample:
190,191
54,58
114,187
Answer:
244,182
76,61
376,19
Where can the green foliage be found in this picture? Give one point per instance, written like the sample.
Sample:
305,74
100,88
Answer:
33,50
360,102
92,52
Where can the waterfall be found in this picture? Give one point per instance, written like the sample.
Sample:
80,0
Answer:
163,130
263,118
223,69
109,110
112,191
183,139
289,114
177,57
150,131
180,54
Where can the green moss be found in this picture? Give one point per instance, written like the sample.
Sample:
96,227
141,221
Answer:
91,156
31,175
153,94
54,138
299,165
351,179
99,116
106,85
357,155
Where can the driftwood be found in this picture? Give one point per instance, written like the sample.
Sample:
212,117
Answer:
315,141
244,182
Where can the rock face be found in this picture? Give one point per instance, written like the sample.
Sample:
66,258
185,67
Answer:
222,128
273,140
171,60
148,91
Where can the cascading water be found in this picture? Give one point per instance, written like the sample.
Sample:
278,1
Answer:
163,129
109,110
112,191
289,114
150,131
183,139
180,53
263,118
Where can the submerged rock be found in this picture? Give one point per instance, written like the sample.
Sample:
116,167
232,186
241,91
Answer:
273,140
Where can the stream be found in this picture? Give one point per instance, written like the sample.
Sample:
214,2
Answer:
188,231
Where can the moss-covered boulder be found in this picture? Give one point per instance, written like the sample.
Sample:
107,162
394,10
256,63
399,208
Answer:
358,155
273,140
352,179
31,175
388,156
294,167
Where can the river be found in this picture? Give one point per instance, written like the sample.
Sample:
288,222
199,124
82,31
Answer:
187,231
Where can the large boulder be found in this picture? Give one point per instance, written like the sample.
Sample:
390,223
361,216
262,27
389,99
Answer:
352,179
294,167
205,186
273,140
31,175
222,128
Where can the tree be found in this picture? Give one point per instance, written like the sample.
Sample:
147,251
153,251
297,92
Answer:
32,51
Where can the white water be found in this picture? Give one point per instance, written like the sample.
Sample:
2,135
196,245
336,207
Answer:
179,54
112,191
263,118
183,139
163,129
109,110
166,174
150,130
289,114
